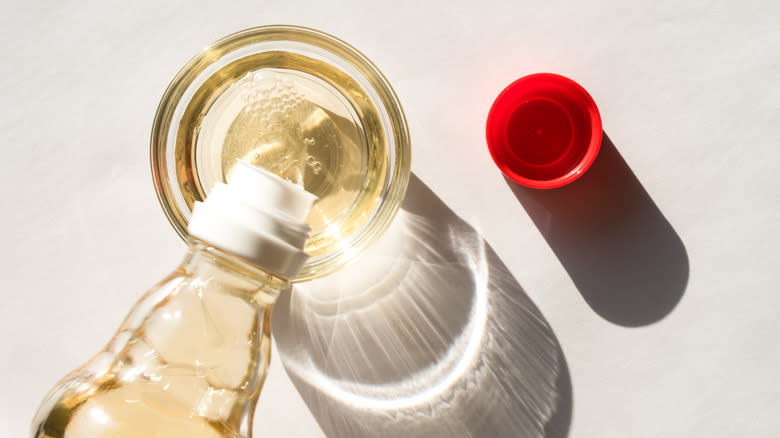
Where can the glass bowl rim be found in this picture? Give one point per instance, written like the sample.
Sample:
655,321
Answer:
398,174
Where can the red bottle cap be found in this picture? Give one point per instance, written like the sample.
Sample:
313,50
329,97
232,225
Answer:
544,131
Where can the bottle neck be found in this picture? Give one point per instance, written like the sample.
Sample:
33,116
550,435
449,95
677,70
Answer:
215,265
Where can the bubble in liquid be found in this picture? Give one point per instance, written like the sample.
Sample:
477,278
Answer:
315,165
309,142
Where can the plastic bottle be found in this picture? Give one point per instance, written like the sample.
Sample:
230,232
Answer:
191,357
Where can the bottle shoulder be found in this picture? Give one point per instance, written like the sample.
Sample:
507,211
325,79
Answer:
191,353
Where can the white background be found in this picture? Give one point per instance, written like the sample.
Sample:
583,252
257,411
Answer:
689,95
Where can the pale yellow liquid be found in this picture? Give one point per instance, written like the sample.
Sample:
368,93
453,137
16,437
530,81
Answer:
189,362
300,118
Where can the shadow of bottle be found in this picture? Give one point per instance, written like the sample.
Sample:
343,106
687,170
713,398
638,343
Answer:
427,335
622,254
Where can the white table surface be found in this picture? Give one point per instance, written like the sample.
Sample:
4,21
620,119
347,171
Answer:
657,274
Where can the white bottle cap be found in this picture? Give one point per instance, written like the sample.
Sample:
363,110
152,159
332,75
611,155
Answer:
257,216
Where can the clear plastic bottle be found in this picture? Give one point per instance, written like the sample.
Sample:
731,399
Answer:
191,357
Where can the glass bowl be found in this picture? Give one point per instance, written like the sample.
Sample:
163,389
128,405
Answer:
302,104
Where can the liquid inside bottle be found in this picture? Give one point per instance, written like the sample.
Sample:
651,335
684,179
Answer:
191,357
189,360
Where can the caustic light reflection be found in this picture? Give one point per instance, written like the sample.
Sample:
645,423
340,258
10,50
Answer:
427,334
415,384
